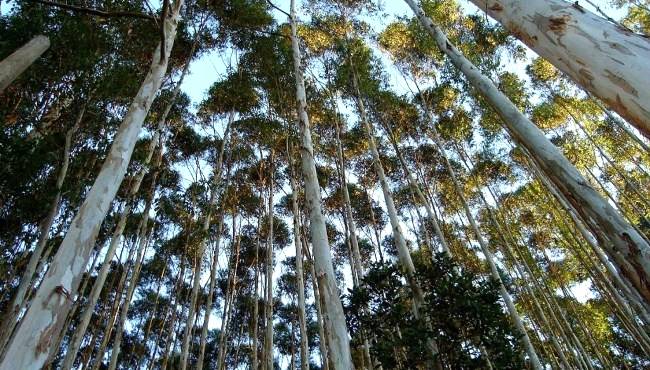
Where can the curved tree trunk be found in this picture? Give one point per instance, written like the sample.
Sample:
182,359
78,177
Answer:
631,251
603,58
98,285
16,63
338,337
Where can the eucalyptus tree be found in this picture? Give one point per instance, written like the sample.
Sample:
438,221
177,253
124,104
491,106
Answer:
16,63
602,57
44,319
629,249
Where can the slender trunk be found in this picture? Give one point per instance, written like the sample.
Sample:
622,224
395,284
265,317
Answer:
415,186
256,311
268,309
601,57
45,317
338,337
319,318
632,252
489,257
19,302
135,276
201,250
213,283
404,255
16,63
304,346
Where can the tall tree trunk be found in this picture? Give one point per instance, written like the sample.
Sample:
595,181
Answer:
16,63
603,58
304,346
320,320
213,284
256,310
44,320
632,252
19,302
404,255
338,337
218,170
268,307
144,240
80,330
414,184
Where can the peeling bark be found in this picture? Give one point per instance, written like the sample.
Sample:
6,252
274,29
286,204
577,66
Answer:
630,250
609,61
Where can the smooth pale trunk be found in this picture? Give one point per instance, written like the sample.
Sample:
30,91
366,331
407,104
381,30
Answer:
404,255
338,339
44,320
489,257
98,285
631,251
268,309
304,347
319,316
418,191
349,219
208,308
603,58
135,276
16,63
204,230
19,301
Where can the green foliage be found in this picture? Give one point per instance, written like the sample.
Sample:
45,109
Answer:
463,313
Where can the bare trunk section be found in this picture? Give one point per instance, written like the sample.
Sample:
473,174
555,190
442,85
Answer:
489,257
213,283
44,320
630,251
304,346
143,243
204,230
19,302
603,58
80,330
16,63
338,337
268,307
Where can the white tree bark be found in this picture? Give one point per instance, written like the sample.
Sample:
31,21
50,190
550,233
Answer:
16,63
44,320
216,181
268,300
210,299
19,301
304,346
631,251
135,277
338,339
601,57
489,257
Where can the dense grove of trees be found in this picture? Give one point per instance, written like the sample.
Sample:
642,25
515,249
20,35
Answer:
467,186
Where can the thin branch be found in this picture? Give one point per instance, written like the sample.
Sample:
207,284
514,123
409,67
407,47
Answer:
278,9
96,12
